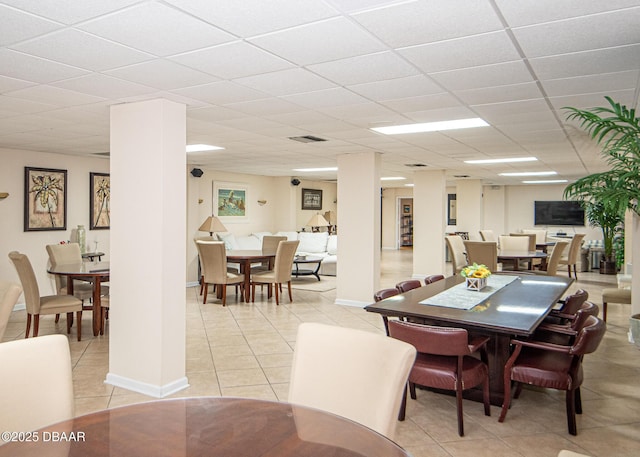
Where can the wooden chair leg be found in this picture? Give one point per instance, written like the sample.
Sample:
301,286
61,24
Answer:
201,284
57,318
36,324
604,311
277,294
69,320
578,401
403,405
486,397
79,319
571,412
253,292
26,334
412,390
290,295
224,294
103,318
206,289
459,410
507,398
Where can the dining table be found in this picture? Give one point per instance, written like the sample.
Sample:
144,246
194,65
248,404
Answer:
246,257
510,306
204,426
96,273
516,257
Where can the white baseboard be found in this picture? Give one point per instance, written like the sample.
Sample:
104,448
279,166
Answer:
146,388
193,284
355,303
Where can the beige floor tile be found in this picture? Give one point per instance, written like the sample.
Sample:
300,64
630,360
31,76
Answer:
246,377
86,405
235,362
480,448
261,392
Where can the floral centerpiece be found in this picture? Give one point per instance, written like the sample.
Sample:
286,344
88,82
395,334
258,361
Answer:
476,276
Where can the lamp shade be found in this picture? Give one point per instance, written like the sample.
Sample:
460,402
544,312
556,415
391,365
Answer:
212,224
317,221
331,217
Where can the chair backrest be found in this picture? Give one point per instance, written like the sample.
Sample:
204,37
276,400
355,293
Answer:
541,234
483,253
458,256
589,337
428,339
270,242
554,259
9,294
571,254
433,278
385,293
28,280
488,235
356,374
36,388
574,301
409,284
530,236
284,260
213,258
60,254
514,243
586,309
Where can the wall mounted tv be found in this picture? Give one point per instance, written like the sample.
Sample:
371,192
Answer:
558,213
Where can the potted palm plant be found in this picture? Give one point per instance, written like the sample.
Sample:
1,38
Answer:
610,219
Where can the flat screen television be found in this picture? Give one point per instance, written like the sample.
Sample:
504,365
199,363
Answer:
558,213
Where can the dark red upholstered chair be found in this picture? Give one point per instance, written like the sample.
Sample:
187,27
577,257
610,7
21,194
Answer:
406,286
432,278
566,333
381,295
553,366
568,307
444,361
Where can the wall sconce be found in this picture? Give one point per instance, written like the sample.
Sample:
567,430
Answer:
3,195
262,202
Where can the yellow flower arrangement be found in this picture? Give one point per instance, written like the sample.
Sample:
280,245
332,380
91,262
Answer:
475,271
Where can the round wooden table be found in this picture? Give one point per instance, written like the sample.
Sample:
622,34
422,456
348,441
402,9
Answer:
207,426
245,257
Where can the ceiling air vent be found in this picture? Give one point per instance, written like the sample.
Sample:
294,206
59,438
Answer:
307,139
104,154
415,165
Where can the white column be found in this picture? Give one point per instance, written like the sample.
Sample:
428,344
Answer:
470,207
358,268
429,222
148,232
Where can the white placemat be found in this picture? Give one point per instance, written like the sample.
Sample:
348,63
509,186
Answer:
460,297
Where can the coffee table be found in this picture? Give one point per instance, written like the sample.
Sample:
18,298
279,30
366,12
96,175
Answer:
306,261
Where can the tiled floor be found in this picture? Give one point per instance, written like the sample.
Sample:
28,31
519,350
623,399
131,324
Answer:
246,349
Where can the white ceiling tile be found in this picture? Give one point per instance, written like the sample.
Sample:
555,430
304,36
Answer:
286,82
213,114
336,96
104,86
82,50
585,101
266,107
30,68
162,74
233,60
500,74
221,93
427,21
165,30
54,96
8,84
351,6
499,94
591,83
72,12
16,25
441,114
422,102
364,69
322,41
411,86
10,106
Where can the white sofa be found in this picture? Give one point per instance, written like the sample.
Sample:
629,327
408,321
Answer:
316,244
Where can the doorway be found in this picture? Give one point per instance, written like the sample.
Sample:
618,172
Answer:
405,222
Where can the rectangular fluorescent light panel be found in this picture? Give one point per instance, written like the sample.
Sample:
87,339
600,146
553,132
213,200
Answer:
202,147
316,169
548,181
505,160
431,126
529,173
392,178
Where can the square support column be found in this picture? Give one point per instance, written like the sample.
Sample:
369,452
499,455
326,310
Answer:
429,223
470,207
148,232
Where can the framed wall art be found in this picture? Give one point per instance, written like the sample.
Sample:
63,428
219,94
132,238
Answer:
312,199
230,201
99,201
45,199
452,209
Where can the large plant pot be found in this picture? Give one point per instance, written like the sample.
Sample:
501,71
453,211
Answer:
608,267
634,325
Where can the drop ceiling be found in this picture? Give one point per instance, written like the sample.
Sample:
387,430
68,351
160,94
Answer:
254,73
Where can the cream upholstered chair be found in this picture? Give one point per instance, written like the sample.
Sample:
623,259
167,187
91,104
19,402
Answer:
60,254
356,374
541,234
482,253
36,388
570,256
9,294
281,272
530,236
48,304
553,259
514,243
269,244
455,243
488,235
213,256
614,295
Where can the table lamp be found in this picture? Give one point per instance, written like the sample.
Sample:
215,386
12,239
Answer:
212,224
316,222
332,218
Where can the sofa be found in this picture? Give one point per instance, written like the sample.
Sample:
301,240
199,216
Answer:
316,244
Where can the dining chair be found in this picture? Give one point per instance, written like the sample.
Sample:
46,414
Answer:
566,308
213,256
445,361
269,244
409,284
432,278
36,387
281,273
105,304
552,366
381,295
9,294
565,333
614,295
353,373
488,235
551,266
482,253
514,243
570,256
60,254
531,237
455,244
41,305
541,235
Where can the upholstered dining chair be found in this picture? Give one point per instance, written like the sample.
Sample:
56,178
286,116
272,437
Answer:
60,254
213,256
553,366
488,235
281,272
541,234
48,304
614,295
571,254
9,294
269,244
456,249
445,361
565,333
566,308
381,295
36,388
353,373
407,285
482,253
551,267
432,278
514,243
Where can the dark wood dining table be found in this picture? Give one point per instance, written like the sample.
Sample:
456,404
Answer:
96,273
516,256
514,310
207,426
245,257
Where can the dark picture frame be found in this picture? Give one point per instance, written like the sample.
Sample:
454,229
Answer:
312,199
99,201
45,199
452,209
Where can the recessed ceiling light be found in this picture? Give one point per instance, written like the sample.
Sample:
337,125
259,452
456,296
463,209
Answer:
548,181
409,185
529,173
392,178
316,169
505,160
431,126
202,147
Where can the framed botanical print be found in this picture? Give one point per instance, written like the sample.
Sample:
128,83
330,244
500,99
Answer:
231,201
45,199
99,201
312,199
